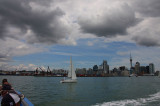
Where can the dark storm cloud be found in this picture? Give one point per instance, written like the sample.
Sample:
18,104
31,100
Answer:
113,22
45,25
144,41
147,7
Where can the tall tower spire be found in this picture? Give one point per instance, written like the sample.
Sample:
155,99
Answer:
130,60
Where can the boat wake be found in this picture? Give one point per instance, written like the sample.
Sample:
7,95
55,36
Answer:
133,102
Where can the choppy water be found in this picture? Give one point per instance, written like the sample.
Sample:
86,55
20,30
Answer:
89,91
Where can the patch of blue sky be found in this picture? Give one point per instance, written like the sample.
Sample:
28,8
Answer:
83,55
94,54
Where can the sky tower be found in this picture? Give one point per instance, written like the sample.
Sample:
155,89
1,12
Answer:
130,60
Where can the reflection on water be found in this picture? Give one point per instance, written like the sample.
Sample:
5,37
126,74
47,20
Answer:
48,91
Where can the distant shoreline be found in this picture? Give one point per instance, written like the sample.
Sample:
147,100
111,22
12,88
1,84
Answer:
77,76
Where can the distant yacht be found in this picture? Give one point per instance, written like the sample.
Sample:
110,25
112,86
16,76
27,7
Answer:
71,78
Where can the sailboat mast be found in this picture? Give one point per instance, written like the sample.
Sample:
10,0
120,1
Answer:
71,65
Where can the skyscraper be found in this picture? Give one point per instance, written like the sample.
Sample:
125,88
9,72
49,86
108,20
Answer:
95,68
137,68
151,68
130,60
105,67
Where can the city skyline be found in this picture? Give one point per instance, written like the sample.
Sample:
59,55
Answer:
37,33
101,70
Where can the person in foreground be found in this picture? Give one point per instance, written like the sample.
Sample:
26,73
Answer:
9,96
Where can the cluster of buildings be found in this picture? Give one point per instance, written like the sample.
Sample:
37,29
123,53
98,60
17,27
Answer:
141,70
20,73
37,72
102,70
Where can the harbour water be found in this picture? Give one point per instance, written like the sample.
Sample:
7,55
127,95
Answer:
89,91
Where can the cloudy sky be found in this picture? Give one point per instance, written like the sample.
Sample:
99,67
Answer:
41,33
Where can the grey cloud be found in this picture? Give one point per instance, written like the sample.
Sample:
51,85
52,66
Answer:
2,56
45,25
147,32
5,58
43,2
144,41
147,7
114,21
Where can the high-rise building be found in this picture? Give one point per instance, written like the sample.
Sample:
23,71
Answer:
137,68
151,68
122,68
95,68
143,69
100,67
105,67
90,72
147,69
130,60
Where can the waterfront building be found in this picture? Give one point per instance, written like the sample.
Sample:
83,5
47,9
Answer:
105,67
125,73
151,68
147,69
100,70
95,68
100,67
143,70
81,71
130,61
132,70
137,68
59,71
122,68
99,73
115,70
90,72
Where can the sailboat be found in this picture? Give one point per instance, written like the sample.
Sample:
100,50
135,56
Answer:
72,78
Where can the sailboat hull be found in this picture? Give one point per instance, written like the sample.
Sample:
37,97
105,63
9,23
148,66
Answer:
69,81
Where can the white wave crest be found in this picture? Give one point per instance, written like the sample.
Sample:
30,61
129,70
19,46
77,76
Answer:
132,102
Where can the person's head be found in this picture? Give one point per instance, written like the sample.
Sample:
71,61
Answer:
4,80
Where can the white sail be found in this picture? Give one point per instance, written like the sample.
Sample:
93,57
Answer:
72,70
71,75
